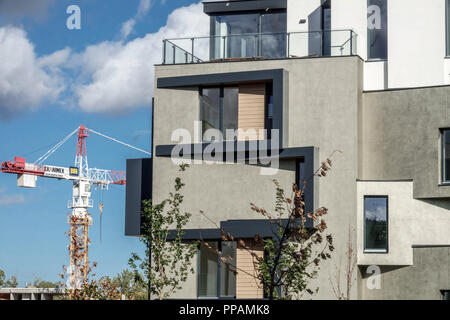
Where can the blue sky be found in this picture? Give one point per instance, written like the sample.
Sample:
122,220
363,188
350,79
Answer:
52,80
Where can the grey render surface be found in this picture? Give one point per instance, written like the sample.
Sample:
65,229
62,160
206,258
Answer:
383,135
423,280
327,90
401,137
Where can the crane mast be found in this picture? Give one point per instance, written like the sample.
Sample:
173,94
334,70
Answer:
80,219
83,179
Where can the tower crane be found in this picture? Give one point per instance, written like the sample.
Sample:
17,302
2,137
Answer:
82,178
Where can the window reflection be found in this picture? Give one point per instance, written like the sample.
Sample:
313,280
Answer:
375,224
446,155
227,272
216,278
208,268
273,46
210,108
249,35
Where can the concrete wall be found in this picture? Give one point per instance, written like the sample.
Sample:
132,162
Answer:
401,137
410,222
324,106
423,280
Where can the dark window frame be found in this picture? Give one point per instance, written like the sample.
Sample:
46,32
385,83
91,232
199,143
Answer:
268,123
443,180
219,270
376,251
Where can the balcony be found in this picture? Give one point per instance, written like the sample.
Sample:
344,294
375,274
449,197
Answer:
260,46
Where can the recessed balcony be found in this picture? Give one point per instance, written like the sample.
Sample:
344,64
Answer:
260,46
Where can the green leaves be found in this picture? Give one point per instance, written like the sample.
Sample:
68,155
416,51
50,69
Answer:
9,283
170,260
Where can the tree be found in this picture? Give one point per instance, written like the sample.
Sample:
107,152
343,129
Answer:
9,283
166,264
293,255
39,283
2,278
91,288
129,287
349,269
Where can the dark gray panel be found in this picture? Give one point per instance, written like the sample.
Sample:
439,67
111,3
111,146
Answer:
133,198
237,228
138,188
220,78
242,5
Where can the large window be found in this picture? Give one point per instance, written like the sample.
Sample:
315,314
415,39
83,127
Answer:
376,224
219,109
377,47
215,278
225,109
446,156
249,35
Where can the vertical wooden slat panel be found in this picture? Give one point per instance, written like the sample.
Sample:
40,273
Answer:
251,110
247,286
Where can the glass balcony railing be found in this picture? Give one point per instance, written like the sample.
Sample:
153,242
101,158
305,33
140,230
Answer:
260,46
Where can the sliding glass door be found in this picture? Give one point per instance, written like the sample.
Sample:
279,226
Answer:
249,35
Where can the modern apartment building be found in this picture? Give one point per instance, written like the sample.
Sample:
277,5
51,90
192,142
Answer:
300,79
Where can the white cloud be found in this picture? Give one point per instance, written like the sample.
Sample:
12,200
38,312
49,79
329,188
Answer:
144,7
12,9
376,214
6,200
128,26
121,74
108,77
25,81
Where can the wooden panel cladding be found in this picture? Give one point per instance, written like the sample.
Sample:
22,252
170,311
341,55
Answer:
247,286
252,99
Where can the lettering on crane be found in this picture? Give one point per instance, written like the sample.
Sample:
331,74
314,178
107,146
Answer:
56,172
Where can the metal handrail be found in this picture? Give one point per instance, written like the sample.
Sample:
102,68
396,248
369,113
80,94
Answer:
189,57
258,34
178,47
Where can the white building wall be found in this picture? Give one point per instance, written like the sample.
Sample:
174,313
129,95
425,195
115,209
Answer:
351,14
302,10
410,222
416,39
416,42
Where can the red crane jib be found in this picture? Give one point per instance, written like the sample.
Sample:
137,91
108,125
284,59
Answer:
19,167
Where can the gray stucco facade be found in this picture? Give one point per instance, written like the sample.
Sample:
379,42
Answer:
389,143
402,139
